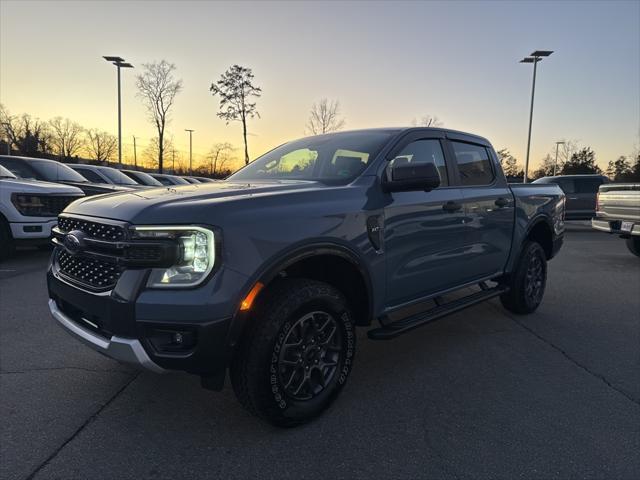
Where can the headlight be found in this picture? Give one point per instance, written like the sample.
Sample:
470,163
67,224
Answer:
29,205
195,260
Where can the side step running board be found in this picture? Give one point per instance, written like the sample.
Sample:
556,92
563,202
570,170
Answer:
399,327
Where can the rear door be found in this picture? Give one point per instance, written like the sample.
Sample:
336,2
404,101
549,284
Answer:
568,186
489,209
423,231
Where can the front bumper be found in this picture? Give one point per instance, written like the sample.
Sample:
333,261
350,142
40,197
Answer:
33,230
613,226
125,350
125,323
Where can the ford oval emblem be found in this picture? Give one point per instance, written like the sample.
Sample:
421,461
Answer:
74,241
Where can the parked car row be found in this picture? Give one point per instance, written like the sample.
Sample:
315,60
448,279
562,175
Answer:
34,191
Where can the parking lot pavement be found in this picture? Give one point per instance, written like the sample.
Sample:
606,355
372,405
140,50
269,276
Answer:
480,394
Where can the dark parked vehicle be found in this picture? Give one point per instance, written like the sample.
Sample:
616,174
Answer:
618,212
581,191
142,178
169,180
267,273
102,174
56,172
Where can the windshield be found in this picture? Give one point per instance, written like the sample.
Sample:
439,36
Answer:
335,158
146,179
4,173
117,177
53,171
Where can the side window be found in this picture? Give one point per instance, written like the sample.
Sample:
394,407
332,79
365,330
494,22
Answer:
424,151
587,185
566,185
90,175
474,164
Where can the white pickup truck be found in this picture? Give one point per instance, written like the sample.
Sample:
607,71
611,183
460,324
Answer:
29,209
618,212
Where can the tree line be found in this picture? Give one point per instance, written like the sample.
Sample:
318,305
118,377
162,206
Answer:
573,160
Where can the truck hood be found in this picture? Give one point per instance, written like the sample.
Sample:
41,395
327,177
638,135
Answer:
22,185
130,206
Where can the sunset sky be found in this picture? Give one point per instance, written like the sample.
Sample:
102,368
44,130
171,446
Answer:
387,63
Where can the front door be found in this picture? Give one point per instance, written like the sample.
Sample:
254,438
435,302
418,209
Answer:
424,231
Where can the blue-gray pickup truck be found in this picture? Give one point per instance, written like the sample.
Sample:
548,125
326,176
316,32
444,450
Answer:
268,273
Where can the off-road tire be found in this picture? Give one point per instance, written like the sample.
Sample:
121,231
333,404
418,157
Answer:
258,363
633,244
7,245
527,282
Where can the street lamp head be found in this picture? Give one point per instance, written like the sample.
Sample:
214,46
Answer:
125,65
542,53
530,60
113,59
560,143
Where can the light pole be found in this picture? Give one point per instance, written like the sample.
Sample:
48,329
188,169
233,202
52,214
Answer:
534,58
555,163
190,145
119,63
135,154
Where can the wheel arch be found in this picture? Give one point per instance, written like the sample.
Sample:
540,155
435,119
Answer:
331,262
541,231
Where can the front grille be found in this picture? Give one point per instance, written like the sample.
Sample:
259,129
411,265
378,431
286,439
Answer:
100,231
89,271
55,204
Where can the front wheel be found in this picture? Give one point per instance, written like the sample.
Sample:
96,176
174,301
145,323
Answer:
633,244
296,354
527,282
7,246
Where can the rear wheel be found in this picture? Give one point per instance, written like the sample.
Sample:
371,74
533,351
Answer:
297,353
527,283
633,244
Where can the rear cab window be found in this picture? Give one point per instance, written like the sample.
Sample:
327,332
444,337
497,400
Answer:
474,164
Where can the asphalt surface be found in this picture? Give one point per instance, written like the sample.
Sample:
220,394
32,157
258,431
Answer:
481,394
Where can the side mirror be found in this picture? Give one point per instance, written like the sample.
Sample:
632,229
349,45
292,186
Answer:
405,177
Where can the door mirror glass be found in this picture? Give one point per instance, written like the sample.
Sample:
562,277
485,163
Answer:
405,177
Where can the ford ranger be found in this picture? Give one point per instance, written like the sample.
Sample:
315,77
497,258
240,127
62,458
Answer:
267,274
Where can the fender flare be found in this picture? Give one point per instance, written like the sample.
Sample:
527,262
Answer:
270,269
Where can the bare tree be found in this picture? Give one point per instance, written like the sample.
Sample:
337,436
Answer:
67,137
158,88
29,136
325,117
101,145
236,89
565,152
427,121
219,156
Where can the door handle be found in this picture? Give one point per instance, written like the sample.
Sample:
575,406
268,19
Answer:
573,198
451,206
501,202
